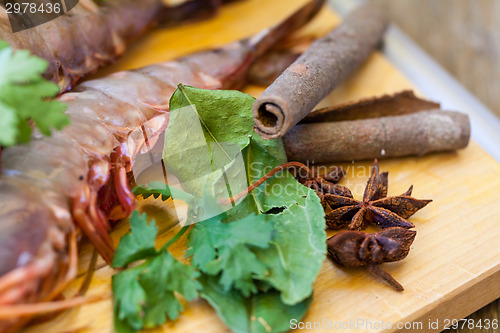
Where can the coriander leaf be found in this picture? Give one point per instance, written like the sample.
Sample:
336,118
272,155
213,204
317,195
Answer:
23,96
260,313
163,276
8,123
128,299
45,114
40,88
121,325
144,296
139,243
20,66
24,131
228,249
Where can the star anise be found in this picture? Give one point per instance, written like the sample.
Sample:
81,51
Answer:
376,207
356,248
325,184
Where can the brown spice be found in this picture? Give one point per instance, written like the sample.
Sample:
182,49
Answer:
413,134
325,184
316,72
355,248
397,104
376,207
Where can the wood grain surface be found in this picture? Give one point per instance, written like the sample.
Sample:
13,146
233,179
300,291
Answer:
454,266
464,37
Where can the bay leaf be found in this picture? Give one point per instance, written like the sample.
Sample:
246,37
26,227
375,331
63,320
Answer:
259,313
297,252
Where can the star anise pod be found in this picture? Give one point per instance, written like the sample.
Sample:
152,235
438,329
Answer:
376,207
356,248
325,184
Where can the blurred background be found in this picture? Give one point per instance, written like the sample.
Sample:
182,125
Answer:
462,35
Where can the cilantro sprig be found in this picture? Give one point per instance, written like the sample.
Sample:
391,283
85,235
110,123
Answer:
228,249
144,296
24,96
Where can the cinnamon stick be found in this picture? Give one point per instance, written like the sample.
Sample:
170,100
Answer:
400,103
318,71
404,135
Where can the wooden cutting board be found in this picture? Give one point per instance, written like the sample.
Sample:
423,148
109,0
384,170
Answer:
454,265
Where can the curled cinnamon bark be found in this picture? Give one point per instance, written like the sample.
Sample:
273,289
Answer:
413,134
397,104
319,70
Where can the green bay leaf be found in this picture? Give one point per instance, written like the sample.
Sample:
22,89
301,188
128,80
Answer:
259,313
206,131
297,252
220,112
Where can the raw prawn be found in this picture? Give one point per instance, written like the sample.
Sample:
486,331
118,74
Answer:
78,176
95,32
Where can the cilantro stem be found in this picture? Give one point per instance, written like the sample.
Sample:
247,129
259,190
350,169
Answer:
176,237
